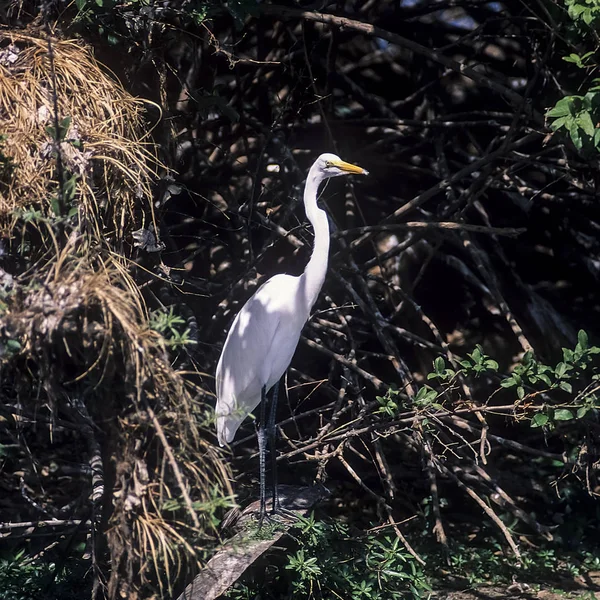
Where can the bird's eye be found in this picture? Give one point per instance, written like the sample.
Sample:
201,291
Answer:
328,164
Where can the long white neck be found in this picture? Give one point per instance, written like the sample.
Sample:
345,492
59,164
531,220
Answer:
314,274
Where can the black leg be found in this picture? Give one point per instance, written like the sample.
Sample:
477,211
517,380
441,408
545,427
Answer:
261,454
271,432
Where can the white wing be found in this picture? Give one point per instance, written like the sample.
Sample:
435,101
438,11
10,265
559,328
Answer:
258,350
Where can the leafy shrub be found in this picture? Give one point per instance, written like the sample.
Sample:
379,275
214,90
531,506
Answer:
578,115
330,559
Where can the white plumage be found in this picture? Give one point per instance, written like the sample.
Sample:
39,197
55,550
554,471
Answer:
258,350
264,335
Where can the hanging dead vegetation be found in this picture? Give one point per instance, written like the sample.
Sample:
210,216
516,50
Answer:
104,144
104,439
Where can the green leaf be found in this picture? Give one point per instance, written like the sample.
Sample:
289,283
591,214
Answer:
476,354
13,345
562,414
508,383
575,135
425,395
575,59
596,138
539,420
566,386
64,124
492,365
521,392
439,364
560,122
588,17
55,206
584,120
69,189
563,108
430,396
582,338
545,378
561,369
575,10
63,128
199,15
582,411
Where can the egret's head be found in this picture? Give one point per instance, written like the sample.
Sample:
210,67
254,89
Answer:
331,165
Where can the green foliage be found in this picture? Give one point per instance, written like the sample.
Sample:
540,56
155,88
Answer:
167,323
530,374
485,562
578,116
306,570
21,579
8,347
390,403
585,11
476,364
211,510
393,402
330,561
123,22
25,578
583,62
568,390
425,397
63,129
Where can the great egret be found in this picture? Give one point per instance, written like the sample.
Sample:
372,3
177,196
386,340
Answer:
264,335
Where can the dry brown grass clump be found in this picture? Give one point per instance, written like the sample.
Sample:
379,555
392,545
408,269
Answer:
108,439
104,143
92,384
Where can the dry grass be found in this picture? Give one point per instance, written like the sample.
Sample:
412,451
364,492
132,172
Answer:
84,334
86,360
106,145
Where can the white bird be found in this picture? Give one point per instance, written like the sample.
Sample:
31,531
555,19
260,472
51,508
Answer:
264,334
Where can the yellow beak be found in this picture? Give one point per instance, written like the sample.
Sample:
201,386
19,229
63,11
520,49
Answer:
349,168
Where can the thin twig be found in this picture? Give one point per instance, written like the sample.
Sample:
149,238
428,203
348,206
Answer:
506,231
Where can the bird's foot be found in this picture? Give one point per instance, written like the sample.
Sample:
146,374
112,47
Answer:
276,516
286,514
270,520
